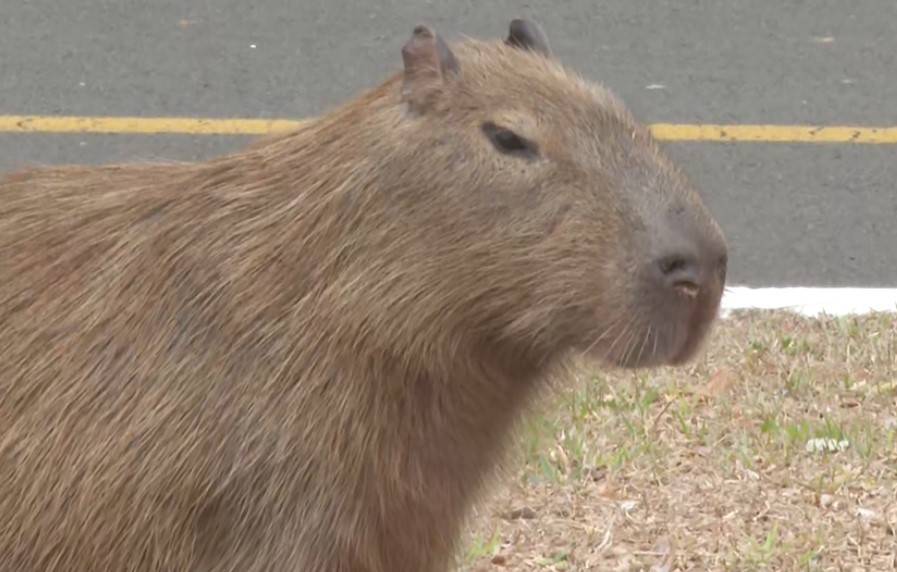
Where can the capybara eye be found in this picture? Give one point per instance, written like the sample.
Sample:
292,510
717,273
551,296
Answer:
508,142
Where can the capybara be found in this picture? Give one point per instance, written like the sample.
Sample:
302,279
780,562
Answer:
306,355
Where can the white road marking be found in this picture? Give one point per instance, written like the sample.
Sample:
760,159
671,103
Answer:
811,301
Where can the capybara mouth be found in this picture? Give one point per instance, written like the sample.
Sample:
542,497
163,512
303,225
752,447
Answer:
699,326
668,332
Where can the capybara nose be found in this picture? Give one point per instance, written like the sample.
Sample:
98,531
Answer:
681,271
686,270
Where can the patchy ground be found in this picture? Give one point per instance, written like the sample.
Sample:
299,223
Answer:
777,451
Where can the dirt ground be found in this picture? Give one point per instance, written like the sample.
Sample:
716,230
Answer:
775,451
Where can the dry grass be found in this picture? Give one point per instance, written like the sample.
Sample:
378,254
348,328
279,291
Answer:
708,468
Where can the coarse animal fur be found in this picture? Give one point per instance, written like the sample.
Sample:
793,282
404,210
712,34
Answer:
307,355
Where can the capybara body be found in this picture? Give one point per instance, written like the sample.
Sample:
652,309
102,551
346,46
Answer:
308,354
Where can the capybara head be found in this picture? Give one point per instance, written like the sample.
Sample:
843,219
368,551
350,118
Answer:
583,233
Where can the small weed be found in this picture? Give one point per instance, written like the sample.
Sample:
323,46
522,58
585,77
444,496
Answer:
482,547
557,560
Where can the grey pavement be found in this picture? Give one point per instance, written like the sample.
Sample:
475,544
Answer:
795,214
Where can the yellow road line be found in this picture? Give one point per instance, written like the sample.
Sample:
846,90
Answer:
238,126
142,125
776,133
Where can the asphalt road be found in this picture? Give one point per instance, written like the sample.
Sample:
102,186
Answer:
795,214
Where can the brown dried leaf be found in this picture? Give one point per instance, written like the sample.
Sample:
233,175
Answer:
719,383
664,551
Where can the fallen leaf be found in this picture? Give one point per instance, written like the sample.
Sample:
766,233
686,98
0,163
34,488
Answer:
886,387
866,513
719,383
831,445
663,548
826,500
607,489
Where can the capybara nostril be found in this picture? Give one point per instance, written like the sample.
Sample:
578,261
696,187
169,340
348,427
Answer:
681,272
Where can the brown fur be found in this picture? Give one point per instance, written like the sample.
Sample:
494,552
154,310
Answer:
307,355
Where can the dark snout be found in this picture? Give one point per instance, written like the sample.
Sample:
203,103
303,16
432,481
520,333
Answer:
684,275
689,264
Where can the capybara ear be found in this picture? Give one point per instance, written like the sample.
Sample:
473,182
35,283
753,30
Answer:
527,35
428,63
